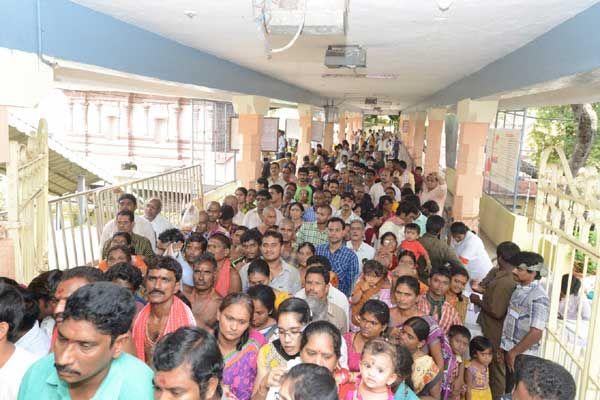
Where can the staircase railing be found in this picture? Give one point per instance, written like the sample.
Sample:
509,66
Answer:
76,220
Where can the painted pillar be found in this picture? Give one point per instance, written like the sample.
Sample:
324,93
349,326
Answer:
328,136
474,118
306,113
436,118
251,111
342,127
401,127
410,136
419,138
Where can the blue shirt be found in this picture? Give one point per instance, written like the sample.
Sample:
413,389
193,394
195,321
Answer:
128,379
344,263
310,215
405,393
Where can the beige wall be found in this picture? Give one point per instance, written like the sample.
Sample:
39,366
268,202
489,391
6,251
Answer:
497,222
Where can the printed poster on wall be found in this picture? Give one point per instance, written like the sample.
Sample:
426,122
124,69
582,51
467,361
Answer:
318,130
502,152
292,129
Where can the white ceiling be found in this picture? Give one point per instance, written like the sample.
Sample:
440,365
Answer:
426,48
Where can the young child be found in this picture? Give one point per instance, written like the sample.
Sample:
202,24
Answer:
477,373
404,364
455,387
412,232
377,372
373,284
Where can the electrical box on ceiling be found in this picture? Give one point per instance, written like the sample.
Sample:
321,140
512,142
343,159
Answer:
349,56
321,17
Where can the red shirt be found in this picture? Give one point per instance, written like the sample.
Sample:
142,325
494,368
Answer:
415,247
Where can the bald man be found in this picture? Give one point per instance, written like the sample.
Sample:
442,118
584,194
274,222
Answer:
152,212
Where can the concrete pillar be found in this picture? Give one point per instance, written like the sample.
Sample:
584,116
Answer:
328,137
419,138
251,111
474,118
436,118
403,132
3,134
410,136
342,127
306,113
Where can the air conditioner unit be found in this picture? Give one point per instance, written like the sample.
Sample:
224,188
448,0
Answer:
321,17
349,56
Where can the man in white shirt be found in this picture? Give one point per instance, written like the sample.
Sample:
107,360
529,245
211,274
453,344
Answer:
238,217
356,243
153,215
141,225
470,249
275,172
253,217
14,360
378,189
334,295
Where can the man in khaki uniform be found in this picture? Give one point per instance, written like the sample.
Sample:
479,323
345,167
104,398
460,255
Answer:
497,288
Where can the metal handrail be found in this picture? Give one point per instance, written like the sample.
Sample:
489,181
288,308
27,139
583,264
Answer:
77,220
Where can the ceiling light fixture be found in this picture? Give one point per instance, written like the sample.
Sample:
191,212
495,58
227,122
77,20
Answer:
444,5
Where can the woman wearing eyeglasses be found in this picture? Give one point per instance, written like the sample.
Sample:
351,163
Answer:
434,189
277,357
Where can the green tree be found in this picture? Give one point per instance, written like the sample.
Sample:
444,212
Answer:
560,126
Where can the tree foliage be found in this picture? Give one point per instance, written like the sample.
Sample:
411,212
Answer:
556,126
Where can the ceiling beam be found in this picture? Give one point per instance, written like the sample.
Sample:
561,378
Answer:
76,33
570,48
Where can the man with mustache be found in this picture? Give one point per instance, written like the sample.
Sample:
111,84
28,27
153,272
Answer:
317,288
164,312
89,360
203,297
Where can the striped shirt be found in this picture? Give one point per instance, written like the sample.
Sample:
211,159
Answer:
344,263
449,314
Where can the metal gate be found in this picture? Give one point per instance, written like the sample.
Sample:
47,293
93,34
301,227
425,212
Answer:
27,223
566,222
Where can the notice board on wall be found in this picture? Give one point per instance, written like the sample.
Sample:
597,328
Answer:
502,148
292,129
268,138
317,131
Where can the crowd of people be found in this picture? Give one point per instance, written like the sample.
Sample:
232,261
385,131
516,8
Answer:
334,277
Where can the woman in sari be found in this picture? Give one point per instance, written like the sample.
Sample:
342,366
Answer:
405,293
426,375
322,345
374,318
263,298
386,207
277,357
386,252
434,189
238,349
305,251
296,215
228,278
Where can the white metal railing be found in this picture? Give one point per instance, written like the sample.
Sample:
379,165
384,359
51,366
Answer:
27,182
76,220
566,222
